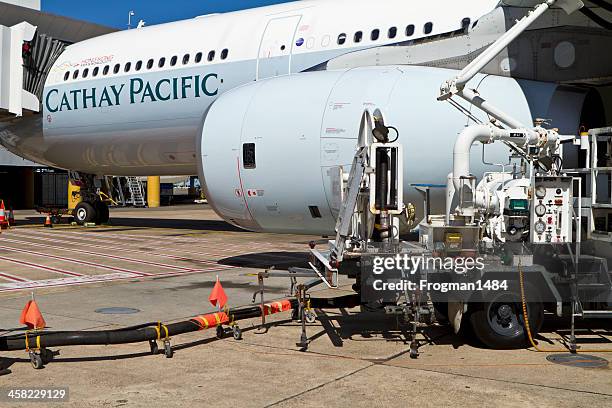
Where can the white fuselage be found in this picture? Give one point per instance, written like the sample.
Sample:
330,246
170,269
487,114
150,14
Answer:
132,102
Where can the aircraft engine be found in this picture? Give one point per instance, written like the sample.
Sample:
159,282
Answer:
270,151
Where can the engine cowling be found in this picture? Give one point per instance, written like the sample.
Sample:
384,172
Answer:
269,150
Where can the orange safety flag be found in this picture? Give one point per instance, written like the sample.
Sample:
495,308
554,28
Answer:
31,316
217,296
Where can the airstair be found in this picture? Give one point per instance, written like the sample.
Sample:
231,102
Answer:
137,194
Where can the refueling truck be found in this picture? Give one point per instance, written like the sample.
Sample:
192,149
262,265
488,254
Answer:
535,234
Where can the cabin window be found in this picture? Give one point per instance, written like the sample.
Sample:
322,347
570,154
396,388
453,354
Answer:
410,30
95,71
85,72
162,62
105,70
428,28
325,41
186,59
224,54
66,75
128,67
375,35
150,63
138,65
358,36
117,68
211,56
248,156
341,39
392,32
173,61
198,58
76,74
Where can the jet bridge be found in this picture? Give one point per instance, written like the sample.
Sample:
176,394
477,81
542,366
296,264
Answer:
15,100
26,57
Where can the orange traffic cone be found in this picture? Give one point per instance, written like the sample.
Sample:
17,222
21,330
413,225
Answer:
31,316
11,218
48,223
3,220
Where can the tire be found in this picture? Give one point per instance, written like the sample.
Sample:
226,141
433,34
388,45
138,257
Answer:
103,213
84,213
498,322
441,311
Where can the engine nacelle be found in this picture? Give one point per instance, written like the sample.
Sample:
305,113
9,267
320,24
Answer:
271,150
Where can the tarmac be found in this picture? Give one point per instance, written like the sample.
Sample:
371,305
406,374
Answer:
164,262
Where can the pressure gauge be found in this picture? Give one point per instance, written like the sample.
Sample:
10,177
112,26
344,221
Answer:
540,227
540,210
540,192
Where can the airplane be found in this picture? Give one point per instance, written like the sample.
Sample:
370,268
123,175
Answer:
267,101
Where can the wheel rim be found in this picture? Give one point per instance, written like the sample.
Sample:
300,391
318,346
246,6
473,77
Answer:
81,214
503,318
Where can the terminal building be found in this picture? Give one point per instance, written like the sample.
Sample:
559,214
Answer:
19,178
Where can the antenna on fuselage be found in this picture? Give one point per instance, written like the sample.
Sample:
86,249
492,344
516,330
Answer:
130,15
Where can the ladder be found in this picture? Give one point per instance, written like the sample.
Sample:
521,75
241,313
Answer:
347,209
137,197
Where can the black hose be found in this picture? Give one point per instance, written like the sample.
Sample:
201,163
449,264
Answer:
596,18
134,334
149,331
603,4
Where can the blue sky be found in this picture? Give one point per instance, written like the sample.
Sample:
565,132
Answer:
115,12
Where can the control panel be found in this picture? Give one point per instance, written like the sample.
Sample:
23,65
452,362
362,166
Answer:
551,210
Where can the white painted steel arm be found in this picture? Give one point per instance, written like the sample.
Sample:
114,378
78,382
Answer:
455,85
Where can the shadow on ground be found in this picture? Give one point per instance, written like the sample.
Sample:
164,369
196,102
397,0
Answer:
192,224
265,260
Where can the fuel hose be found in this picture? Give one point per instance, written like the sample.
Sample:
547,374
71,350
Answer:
37,340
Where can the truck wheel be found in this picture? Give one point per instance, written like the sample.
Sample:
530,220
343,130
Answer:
84,213
102,212
499,322
441,311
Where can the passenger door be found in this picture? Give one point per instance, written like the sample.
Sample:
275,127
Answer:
276,47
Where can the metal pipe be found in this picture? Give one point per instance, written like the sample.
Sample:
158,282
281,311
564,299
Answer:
458,83
490,134
490,53
478,101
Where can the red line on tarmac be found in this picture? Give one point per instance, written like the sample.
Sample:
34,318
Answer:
13,277
142,238
132,237
138,261
135,251
72,260
38,266
59,283
181,252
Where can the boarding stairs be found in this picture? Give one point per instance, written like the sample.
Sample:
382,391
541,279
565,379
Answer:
137,194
